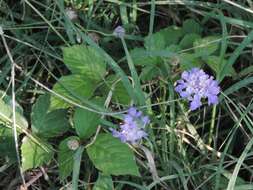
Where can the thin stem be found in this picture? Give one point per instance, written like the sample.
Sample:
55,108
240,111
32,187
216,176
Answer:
13,104
212,125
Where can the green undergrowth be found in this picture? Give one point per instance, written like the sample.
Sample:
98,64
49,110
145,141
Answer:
75,80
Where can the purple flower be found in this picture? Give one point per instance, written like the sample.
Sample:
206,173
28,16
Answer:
195,85
132,130
119,32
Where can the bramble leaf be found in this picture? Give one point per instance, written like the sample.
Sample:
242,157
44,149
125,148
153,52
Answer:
84,60
188,40
206,46
112,157
191,26
7,143
35,155
66,156
85,122
215,64
163,38
73,87
50,124
104,182
188,61
6,112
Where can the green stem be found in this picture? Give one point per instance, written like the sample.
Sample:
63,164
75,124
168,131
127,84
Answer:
137,85
76,167
212,125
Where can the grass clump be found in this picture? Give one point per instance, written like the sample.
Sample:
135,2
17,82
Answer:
91,96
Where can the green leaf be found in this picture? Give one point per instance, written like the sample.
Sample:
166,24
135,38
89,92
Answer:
214,63
155,41
206,46
84,60
54,124
6,112
172,35
85,122
163,38
191,26
174,48
73,87
104,182
33,155
7,143
67,149
49,124
149,72
188,61
188,40
139,57
112,157
119,93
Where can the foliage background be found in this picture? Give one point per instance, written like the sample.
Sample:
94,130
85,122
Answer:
210,148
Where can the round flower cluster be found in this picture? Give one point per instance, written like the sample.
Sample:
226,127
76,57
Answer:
119,32
195,85
132,130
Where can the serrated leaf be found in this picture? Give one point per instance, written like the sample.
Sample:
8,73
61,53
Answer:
34,155
172,35
104,182
191,26
149,72
6,112
112,157
72,87
163,38
119,93
206,46
46,124
85,122
139,57
188,40
7,143
155,41
54,124
174,48
84,60
214,63
66,156
188,61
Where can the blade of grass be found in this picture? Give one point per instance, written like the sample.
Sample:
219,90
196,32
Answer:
137,85
76,167
13,95
236,54
233,178
239,6
152,18
48,22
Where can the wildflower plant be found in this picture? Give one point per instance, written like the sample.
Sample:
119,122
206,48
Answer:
132,130
68,126
196,85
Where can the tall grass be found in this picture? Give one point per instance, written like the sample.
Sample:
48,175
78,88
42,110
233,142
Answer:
210,148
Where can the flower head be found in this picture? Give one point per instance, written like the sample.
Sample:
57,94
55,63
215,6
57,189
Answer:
119,32
195,85
71,13
132,130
